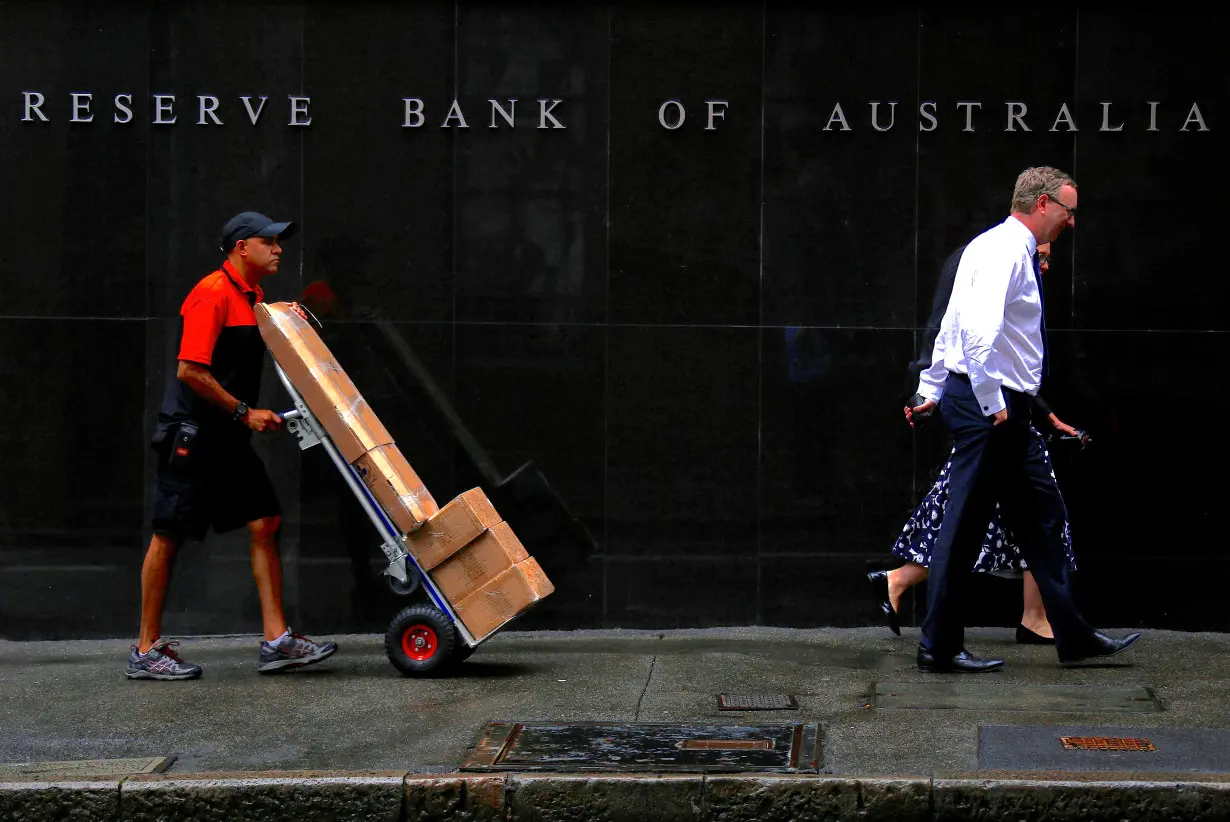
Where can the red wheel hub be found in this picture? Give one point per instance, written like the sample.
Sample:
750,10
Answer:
419,642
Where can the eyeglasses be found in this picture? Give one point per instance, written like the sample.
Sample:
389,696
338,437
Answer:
1070,209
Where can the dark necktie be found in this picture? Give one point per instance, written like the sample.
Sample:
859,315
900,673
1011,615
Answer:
1046,360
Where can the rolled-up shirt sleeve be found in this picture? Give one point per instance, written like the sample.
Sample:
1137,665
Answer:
931,380
982,323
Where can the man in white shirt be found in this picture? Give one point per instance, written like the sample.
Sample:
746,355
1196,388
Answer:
992,343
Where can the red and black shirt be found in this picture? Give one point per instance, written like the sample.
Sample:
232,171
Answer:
218,331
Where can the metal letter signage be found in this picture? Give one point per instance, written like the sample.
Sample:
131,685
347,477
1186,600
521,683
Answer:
682,115
77,107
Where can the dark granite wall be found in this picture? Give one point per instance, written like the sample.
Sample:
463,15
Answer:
698,336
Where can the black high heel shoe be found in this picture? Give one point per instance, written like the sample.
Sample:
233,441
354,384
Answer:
879,590
1024,636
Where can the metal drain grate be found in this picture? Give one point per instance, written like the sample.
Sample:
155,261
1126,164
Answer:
757,702
1106,743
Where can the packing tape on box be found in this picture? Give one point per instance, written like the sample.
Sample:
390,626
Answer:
414,499
331,391
319,371
316,372
286,319
287,322
350,416
436,533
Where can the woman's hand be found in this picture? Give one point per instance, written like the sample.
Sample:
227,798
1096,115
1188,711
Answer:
1062,427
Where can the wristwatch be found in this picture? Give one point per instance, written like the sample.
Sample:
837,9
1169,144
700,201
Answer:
240,411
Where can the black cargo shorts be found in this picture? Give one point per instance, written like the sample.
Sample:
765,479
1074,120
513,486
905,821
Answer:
208,482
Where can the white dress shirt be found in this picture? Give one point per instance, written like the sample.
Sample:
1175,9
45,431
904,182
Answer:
992,328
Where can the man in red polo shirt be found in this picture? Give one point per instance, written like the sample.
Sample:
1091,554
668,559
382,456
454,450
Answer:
208,474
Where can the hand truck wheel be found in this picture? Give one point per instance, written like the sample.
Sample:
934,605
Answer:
421,641
403,589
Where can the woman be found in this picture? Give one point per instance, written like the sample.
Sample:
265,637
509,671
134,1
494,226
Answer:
1000,554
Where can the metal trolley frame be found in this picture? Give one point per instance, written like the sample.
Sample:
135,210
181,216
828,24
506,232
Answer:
421,639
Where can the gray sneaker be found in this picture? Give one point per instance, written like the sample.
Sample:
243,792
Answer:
160,662
293,652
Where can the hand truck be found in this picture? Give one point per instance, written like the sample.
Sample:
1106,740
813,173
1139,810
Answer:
423,639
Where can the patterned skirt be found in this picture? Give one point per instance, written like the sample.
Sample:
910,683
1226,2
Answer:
1000,552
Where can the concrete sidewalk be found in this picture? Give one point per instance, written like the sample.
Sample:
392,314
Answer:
355,721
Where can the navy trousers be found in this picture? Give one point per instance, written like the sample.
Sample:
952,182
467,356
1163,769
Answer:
1005,463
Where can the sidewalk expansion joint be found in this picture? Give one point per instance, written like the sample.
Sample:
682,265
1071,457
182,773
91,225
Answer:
652,663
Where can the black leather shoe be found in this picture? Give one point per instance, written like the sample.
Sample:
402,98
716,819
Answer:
1024,636
962,663
879,590
1098,647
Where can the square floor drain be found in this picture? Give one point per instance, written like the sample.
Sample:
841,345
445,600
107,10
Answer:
757,702
646,746
85,767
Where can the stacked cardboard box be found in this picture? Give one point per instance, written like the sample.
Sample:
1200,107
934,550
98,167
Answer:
346,416
478,563
472,555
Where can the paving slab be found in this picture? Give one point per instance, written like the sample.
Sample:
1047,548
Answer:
1041,748
70,700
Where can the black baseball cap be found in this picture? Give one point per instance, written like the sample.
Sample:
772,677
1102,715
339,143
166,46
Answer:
251,224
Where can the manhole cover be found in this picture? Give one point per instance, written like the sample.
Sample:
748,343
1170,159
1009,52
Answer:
1047,747
971,696
757,702
86,767
648,746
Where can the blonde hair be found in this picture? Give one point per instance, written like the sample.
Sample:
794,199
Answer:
1033,183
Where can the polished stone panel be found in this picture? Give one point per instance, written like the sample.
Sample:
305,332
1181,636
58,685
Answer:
70,497
377,199
75,192
835,451
1138,487
807,590
680,592
682,431
200,175
839,205
1147,253
531,197
684,204
535,393
73,476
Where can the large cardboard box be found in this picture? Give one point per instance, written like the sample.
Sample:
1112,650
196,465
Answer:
348,420
396,486
457,524
328,392
502,598
473,556
494,551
